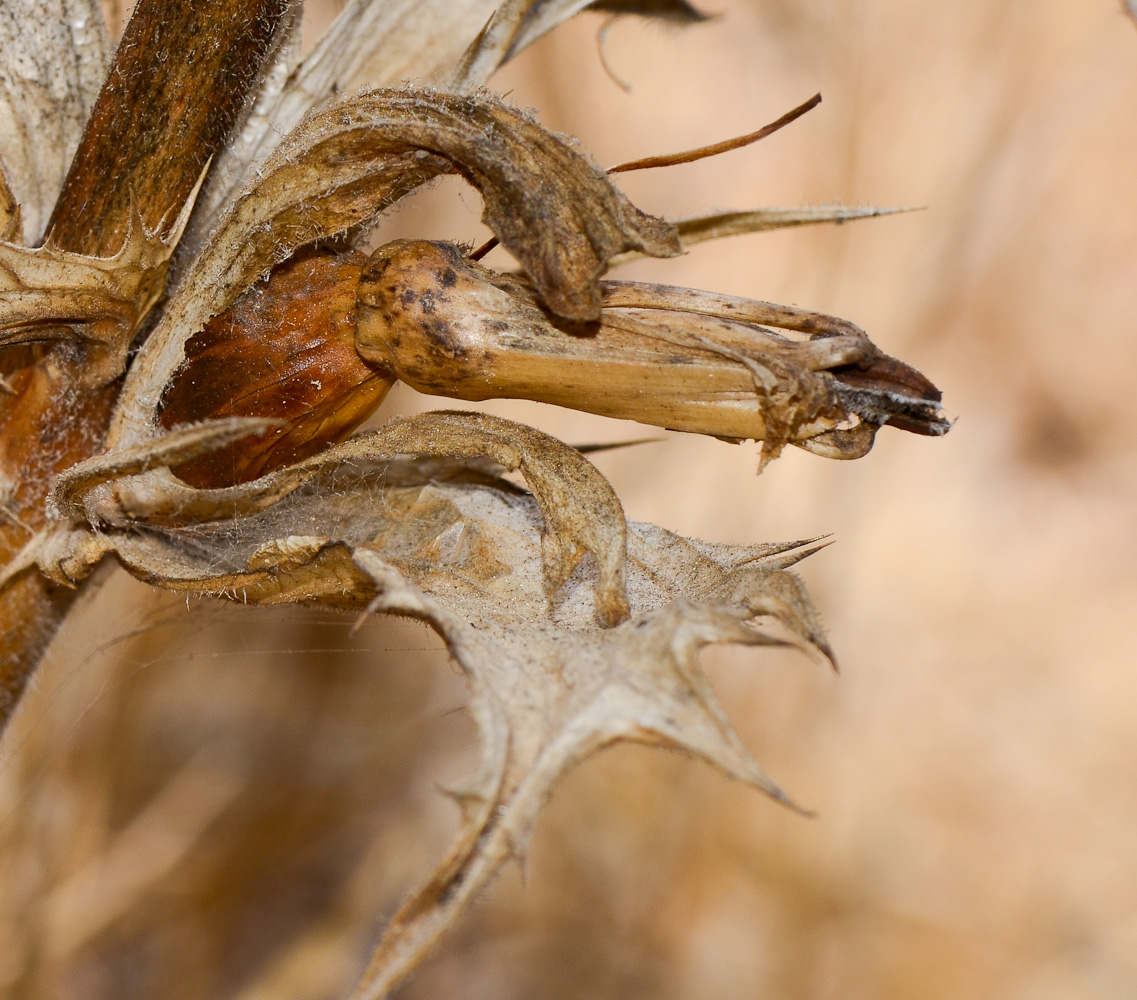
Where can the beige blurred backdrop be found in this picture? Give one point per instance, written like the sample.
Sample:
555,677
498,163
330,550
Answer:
226,802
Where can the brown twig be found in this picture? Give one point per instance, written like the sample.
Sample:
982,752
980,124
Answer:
691,155
725,146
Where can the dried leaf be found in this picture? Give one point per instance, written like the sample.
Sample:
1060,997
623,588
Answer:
545,699
448,542
55,60
75,493
582,514
552,207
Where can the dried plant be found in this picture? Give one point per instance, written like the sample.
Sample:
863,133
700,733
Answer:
204,440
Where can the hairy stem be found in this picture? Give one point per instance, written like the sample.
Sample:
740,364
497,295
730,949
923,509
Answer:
179,80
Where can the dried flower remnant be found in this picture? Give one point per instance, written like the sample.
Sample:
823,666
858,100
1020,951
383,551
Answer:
229,467
430,316
427,315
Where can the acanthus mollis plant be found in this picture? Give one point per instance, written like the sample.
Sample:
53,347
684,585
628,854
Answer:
190,335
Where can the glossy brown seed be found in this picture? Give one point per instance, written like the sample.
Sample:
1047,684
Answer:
285,349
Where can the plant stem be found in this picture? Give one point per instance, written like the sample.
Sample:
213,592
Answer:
180,77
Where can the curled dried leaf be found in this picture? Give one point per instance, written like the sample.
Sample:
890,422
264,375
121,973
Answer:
456,546
462,549
581,512
550,205
87,490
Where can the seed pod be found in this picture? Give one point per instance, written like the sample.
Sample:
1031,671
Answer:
285,349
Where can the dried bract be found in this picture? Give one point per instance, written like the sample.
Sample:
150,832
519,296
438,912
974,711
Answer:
498,574
49,294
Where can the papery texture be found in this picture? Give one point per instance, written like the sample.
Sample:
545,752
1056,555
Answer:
499,575
553,207
54,61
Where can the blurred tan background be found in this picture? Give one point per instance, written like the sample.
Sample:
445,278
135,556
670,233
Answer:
222,802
